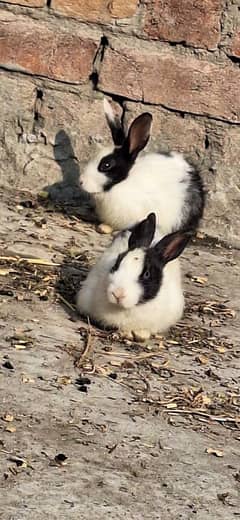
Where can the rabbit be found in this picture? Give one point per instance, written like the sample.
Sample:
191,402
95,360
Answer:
127,186
136,284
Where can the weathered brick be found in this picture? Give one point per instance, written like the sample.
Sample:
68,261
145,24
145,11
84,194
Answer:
195,23
44,50
27,3
235,46
72,126
179,82
36,152
96,10
222,212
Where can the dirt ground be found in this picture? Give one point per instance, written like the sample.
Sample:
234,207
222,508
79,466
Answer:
95,427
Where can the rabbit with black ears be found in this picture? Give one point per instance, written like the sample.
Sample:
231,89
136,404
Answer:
127,185
136,284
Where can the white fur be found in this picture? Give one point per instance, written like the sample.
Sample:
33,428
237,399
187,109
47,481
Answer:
157,315
155,183
92,180
108,110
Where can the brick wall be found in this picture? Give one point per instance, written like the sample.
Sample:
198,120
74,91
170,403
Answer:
178,60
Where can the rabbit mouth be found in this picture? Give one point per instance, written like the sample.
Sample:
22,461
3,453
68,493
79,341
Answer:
122,304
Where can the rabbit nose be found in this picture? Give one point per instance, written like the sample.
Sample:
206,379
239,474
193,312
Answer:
118,294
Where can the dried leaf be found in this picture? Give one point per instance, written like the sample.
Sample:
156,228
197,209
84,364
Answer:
103,370
10,429
221,350
216,452
26,379
200,280
47,278
200,235
19,346
205,400
115,363
64,380
171,405
8,418
21,463
231,313
203,359
34,261
22,339
5,272
43,194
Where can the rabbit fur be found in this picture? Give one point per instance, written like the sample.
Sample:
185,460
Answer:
127,184
116,294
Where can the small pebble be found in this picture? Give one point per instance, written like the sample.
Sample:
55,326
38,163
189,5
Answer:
83,388
104,229
83,381
113,375
8,365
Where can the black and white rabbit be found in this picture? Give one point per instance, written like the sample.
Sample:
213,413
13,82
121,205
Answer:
136,284
127,185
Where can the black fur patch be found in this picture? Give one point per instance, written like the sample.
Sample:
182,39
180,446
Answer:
120,257
194,202
115,167
151,276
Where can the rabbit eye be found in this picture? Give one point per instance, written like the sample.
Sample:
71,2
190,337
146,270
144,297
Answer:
146,275
106,165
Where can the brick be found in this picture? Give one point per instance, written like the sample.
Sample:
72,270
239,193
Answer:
235,46
45,50
195,23
27,3
35,154
96,10
81,118
179,82
73,126
17,98
222,215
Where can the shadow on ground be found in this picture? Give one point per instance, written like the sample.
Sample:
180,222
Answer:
66,194
73,272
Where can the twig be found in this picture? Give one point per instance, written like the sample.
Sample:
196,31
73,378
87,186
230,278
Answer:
145,355
86,349
204,414
69,305
29,260
148,388
194,412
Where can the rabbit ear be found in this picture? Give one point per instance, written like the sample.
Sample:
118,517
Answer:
139,134
114,123
143,233
171,246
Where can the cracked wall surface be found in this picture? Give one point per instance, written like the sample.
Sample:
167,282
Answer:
178,60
